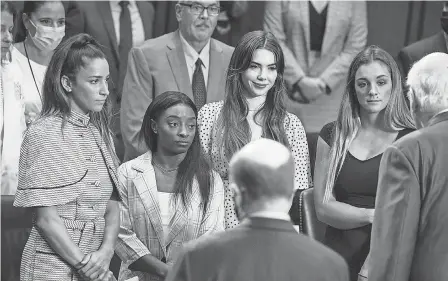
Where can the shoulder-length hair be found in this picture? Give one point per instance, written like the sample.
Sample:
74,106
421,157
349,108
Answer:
68,58
396,114
231,131
194,163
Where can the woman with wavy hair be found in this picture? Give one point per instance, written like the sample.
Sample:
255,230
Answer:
253,108
373,114
67,171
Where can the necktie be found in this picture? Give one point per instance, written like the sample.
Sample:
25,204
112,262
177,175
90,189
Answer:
125,33
198,85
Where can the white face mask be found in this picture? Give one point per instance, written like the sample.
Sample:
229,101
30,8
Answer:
47,38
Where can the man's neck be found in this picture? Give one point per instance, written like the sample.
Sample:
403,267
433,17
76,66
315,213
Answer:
196,45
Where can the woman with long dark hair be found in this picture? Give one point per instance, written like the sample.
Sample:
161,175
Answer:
253,108
67,171
373,114
170,194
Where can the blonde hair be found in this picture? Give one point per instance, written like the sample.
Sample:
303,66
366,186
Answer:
396,115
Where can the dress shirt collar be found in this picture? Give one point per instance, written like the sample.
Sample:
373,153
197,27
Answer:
78,119
115,5
271,215
192,56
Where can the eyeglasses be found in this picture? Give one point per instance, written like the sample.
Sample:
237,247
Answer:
198,9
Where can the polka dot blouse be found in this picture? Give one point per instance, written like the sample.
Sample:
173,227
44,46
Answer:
297,140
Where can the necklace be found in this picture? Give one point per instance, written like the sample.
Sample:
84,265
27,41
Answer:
166,171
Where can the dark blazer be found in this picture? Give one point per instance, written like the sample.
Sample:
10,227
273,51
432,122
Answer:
414,52
156,67
409,233
259,249
95,18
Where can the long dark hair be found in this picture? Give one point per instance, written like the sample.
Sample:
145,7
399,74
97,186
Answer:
194,163
396,114
232,130
72,54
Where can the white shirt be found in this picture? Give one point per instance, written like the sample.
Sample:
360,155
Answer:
271,215
138,32
191,56
166,211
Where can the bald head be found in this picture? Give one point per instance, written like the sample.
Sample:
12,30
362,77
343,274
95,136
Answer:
428,79
264,169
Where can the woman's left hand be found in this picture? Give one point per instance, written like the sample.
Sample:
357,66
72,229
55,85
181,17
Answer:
98,264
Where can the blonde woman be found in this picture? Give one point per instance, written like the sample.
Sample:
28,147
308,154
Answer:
373,114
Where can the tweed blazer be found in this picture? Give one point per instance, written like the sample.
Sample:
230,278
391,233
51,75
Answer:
141,232
345,36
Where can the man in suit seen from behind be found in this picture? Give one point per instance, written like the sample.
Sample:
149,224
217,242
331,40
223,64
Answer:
186,60
265,246
409,229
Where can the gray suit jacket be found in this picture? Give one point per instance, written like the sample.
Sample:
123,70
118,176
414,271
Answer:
409,233
345,36
259,249
159,66
95,18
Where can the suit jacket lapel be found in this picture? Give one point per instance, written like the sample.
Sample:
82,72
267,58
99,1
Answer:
146,19
305,15
146,187
335,10
176,59
216,70
438,118
106,14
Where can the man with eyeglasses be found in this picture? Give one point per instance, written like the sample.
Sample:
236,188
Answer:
186,60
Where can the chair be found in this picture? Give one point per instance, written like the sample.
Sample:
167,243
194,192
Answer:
308,221
16,227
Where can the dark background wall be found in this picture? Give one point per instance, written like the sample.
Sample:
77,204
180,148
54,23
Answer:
392,24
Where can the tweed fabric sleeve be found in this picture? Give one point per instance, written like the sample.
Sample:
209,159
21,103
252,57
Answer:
214,218
50,172
129,247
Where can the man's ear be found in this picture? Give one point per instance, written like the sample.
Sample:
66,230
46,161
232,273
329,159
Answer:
66,83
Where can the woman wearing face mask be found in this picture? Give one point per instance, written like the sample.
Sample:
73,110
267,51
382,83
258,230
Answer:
373,114
253,109
41,29
170,194
12,120
67,173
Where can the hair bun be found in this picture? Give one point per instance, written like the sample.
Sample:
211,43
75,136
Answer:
82,40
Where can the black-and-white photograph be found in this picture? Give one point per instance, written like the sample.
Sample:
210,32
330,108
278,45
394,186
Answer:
281,140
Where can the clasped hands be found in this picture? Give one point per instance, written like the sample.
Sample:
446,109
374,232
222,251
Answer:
308,89
95,266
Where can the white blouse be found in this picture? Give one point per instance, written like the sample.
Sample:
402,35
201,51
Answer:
31,93
166,210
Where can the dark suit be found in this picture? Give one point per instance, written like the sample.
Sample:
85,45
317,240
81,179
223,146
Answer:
410,229
156,67
259,249
95,18
414,52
